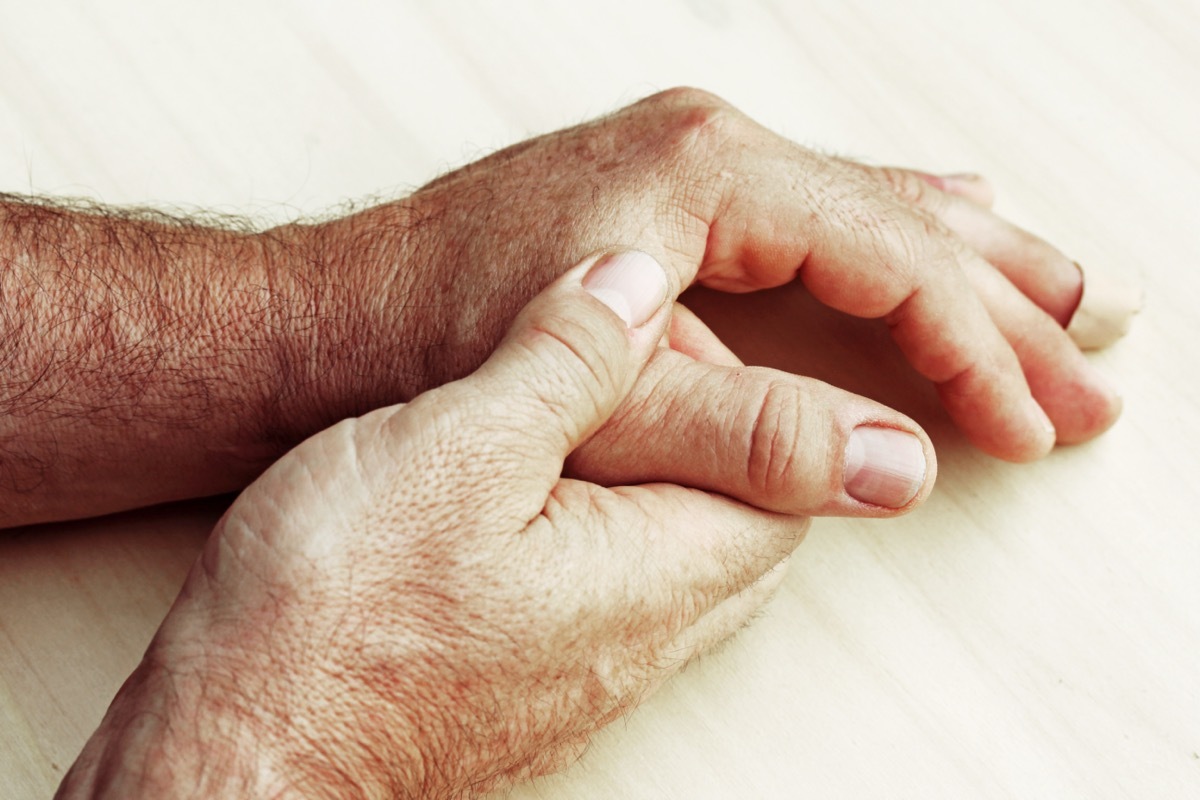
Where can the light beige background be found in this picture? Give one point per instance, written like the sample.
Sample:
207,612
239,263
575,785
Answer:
1033,631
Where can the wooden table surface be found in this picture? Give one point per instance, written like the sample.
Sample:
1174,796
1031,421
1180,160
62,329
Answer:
1033,631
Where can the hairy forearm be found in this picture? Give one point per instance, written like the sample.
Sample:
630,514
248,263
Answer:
146,359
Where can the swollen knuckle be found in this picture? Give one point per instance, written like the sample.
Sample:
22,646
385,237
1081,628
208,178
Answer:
686,97
692,125
693,144
911,242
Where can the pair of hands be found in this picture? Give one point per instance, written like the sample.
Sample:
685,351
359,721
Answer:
442,596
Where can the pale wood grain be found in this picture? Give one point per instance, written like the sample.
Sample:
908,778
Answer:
1034,631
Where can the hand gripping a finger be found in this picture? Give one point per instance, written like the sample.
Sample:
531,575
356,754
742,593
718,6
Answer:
422,582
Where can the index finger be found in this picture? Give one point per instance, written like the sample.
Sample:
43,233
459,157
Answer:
789,213
671,552
913,275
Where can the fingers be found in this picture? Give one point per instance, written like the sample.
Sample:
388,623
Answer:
949,338
1040,271
891,255
1047,277
1095,311
871,254
912,274
664,547
573,353
768,438
1034,295
1078,400
645,577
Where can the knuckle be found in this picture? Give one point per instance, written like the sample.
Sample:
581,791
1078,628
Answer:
691,124
686,97
776,458
919,241
906,184
572,358
884,234
911,249
692,141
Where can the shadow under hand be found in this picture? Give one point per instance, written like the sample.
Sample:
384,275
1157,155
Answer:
787,329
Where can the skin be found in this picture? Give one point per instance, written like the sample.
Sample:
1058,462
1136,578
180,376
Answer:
335,640
371,639
151,360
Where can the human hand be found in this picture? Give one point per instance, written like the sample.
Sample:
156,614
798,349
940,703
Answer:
416,603
161,358
976,305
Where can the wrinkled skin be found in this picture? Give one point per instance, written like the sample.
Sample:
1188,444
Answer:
417,602
976,304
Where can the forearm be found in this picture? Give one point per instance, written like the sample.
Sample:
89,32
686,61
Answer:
144,359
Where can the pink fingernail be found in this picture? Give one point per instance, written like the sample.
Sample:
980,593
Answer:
633,284
884,466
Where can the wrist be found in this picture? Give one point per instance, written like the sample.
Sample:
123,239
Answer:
356,319
176,733
186,725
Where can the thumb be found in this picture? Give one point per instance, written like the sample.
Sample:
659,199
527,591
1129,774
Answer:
776,441
574,352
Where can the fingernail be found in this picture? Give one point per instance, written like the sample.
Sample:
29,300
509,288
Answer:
884,466
633,284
